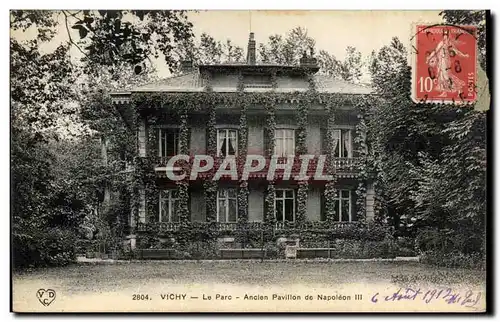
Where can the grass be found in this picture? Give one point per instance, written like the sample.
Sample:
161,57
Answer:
99,287
114,277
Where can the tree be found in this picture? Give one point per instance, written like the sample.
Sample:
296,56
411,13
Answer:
209,51
41,87
471,17
288,49
328,64
350,68
111,37
431,158
53,190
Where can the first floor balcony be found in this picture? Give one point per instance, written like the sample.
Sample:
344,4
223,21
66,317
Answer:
312,166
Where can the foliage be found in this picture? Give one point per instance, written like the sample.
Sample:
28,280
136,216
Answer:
350,68
302,201
44,247
470,17
330,192
353,248
40,90
430,159
202,249
209,51
59,177
454,259
112,37
288,49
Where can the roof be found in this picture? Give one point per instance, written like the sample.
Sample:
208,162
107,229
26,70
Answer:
192,82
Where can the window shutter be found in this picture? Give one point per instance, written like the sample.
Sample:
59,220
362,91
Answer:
206,140
190,217
354,197
189,141
152,139
296,138
267,143
264,208
296,194
322,207
323,141
153,205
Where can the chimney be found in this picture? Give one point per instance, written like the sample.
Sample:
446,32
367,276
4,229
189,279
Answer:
251,50
308,61
186,66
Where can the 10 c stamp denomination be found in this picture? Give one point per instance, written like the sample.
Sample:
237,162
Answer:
444,64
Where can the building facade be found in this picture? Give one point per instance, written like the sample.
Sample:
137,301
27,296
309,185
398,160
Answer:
228,112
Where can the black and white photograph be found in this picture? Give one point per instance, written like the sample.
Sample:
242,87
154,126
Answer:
249,161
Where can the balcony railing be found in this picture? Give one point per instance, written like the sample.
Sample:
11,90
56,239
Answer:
344,165
233,226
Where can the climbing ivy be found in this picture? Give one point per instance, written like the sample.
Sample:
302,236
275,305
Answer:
210,186
183,185
242,153
302,201
361,164
330,191
301,148
195,101
210,191
185,103
270,212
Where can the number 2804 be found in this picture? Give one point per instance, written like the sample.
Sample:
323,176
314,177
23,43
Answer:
140,297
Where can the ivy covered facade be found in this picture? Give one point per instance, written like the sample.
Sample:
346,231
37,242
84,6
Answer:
235,110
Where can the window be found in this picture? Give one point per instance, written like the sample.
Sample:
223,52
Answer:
342,143
284,142
168,142
343,205
227,205
168,206
284,205
227,142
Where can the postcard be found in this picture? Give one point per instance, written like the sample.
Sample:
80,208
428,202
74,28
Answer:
249,161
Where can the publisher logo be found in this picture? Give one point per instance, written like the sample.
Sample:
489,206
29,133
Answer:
46,297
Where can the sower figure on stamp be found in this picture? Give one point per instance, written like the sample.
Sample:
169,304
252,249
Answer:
440,59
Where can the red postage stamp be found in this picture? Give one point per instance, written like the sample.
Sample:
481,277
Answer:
444,64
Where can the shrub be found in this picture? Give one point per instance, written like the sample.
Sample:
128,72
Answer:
361,249
454,259
147,241
272,250
200,249
49,247
367,231
451,248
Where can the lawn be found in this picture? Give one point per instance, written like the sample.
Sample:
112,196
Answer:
94,285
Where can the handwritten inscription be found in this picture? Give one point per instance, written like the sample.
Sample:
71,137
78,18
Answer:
467,299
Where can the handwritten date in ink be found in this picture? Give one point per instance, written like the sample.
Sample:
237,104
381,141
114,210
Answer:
467,299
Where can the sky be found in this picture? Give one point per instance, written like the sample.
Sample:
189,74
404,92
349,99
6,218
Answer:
332,30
